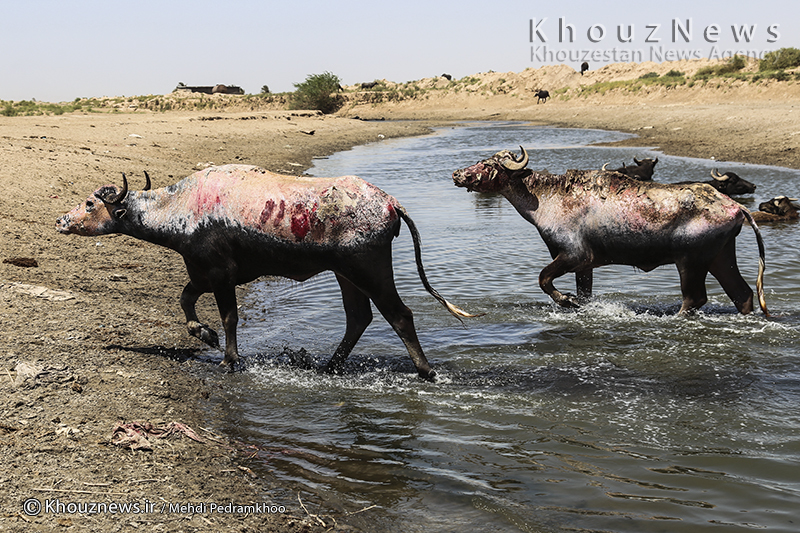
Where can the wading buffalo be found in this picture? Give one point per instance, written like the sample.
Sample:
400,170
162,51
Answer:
779,209
643,171
729,183
590,219
235,223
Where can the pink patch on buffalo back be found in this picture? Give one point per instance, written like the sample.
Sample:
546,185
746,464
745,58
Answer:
208,196
269,207
279,215
301,223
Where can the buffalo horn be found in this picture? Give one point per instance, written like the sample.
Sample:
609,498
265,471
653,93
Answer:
717,176
121,195
637,161
147,184
604,166
517,164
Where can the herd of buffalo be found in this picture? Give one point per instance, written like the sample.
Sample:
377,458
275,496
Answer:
778,209
235,223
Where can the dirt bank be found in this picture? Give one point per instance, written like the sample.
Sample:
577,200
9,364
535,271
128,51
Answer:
761,132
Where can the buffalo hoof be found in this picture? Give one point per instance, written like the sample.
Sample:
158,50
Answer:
301,359
229,364
204,333
567,300
429,375
332,369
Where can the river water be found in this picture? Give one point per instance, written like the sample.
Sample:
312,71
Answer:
620,416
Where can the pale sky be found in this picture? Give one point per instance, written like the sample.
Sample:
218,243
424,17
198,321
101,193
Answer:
57,50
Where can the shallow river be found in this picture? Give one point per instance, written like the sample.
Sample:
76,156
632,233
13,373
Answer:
621,416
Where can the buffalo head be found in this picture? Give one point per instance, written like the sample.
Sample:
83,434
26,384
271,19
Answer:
730,183
491,174
98,215
643,171
780,205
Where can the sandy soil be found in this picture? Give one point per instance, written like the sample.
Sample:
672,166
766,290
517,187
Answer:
93,334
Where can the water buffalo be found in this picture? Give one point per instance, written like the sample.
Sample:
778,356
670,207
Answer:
235,223
584,67
643,171
592,218
541,95
779,209
729,183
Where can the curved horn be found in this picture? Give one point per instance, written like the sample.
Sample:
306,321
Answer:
637,161
604,166
656,161
718,176
121,195
146,185
518,164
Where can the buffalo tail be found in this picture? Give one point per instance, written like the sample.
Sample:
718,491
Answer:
454,310
761,264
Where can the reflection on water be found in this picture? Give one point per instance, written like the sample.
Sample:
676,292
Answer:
620,416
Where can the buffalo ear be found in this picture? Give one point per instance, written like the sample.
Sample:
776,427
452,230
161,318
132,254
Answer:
119,213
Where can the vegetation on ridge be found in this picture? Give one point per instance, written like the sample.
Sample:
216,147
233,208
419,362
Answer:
323,91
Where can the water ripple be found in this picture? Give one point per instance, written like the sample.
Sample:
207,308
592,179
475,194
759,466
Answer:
620,416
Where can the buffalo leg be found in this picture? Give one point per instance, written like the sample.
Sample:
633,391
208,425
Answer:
725,269
560,266
189,298
401,319
359,315
377,282
693,286
226,303
583,284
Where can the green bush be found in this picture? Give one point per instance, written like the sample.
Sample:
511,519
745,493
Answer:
705,72
734,64
319,91
780,59
780,75
673,74
648,75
